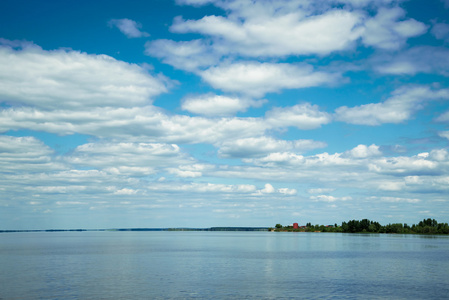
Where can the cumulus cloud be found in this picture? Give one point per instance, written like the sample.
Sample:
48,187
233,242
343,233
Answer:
439,155
76,184
399,108
385,31
155,126
26,154
441,31
266,29
363,151
260,146
287,191
278,159
302,116
218,105
283,28
185,55
276,34
422,59
256,79
70,79
133,123
319,191
269,189
328,198
184,173
204,188
128,27
397,199
189,170
327,172
419,164
132,159
126,191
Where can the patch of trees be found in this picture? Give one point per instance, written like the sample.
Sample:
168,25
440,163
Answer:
426,226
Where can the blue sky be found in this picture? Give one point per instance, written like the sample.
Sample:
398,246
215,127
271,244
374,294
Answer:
199,113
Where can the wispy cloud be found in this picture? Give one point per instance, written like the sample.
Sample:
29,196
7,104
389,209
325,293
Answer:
128,27
399,108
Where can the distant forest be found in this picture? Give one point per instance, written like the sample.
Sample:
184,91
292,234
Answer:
426,226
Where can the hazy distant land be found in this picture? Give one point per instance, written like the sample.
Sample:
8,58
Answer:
426,226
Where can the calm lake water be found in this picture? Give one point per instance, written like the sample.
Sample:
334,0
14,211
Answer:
222,265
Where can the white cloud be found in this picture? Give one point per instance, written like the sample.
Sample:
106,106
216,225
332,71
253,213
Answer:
439,155
283,28
363,151
218,105
268,189
260,146
203,188
319,191
444,134
256,79
386,32
126,191
441,31
131,159
328,198
69,79
128,27
280,33
422,59
278,159
242,189
399,200
391,186
100,122
265,29
75,184
191,170
399,108
185,55
405,166
185,174
443,118
154,125
26,154
302,116
313,162
193,2
133,123
327,172
287,191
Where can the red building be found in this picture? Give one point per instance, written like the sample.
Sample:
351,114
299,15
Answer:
295,226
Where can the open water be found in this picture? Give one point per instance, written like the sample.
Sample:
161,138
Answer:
222,265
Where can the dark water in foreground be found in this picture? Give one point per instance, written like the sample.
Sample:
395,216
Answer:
222,265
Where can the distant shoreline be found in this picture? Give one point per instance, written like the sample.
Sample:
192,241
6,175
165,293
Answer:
144,229
426,226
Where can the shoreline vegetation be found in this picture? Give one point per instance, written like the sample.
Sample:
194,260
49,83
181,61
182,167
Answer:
426,226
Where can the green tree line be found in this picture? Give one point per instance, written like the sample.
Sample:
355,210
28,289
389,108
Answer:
426,226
